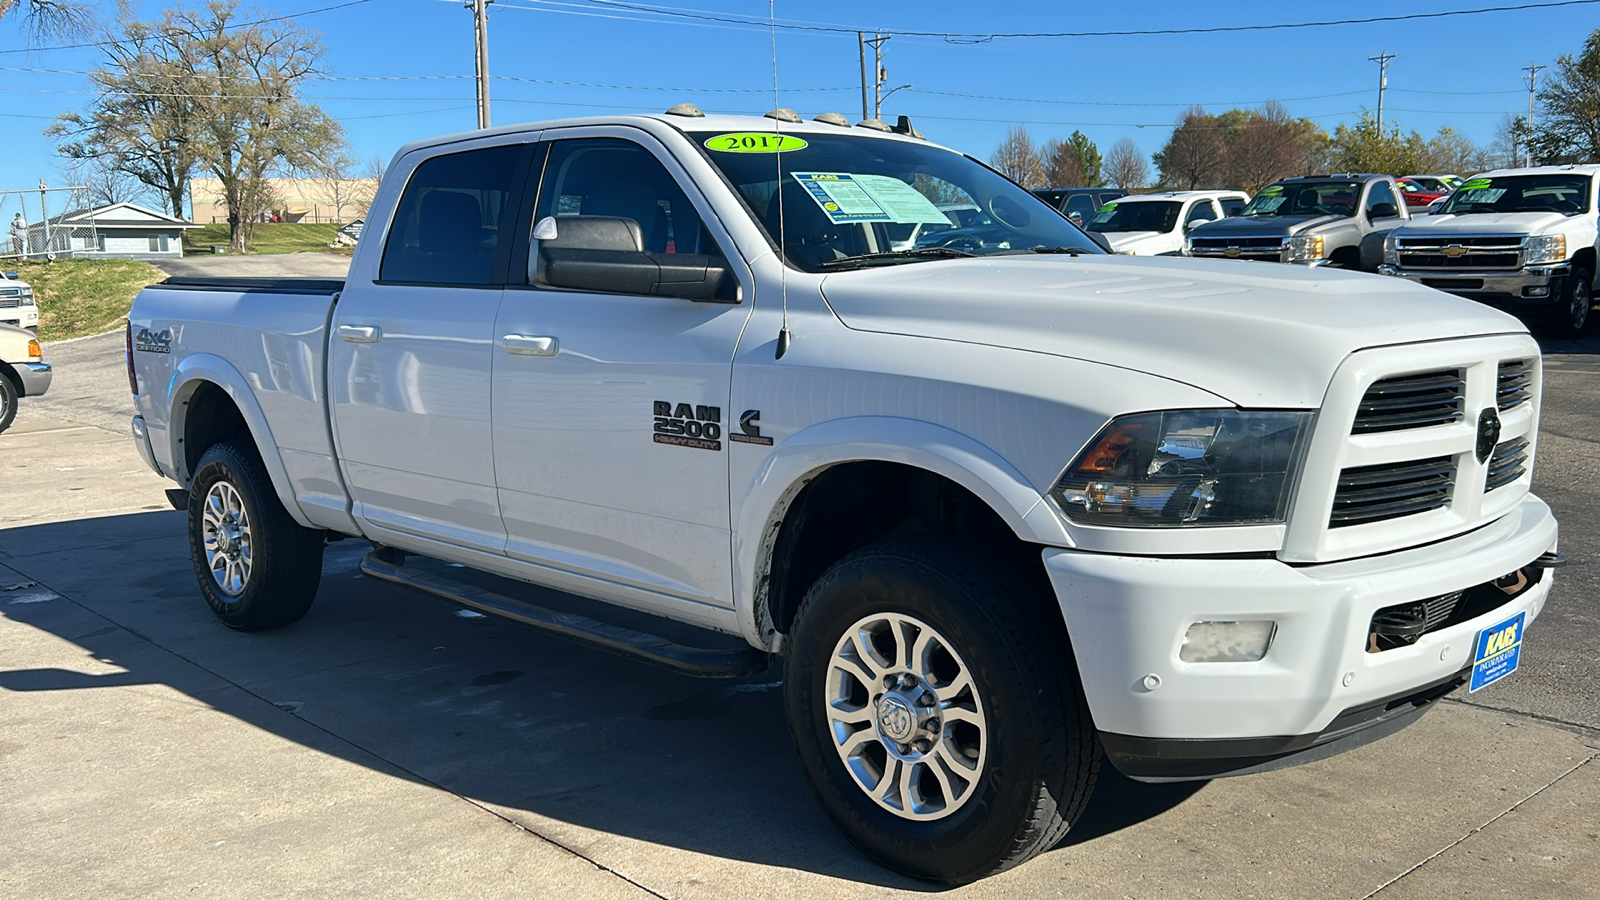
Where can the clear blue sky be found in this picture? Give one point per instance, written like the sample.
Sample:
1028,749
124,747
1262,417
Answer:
1462,72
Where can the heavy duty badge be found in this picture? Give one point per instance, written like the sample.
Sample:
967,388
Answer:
683,425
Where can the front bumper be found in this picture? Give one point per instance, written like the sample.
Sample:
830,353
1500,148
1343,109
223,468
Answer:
21,316
35,377
1532,286
1127,617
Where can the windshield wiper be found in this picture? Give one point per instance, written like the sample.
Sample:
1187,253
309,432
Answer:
866,259
1073,251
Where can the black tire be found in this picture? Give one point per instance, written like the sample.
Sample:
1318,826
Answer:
1042,756
1575,311
8,401
284,558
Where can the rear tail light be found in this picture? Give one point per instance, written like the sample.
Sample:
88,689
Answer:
133,377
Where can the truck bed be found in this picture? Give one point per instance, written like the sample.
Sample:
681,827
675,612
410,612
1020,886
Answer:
292,285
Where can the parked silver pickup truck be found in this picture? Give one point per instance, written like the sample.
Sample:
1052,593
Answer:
1316,220
1003,511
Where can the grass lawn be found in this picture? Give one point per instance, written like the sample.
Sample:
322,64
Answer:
281,237
84,296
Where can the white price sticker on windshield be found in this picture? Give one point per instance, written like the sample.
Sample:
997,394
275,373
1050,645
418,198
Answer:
847,198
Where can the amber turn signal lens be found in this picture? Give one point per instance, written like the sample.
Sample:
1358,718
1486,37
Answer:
35,351
1102,458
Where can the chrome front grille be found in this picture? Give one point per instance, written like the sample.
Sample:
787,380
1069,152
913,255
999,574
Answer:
9,302
1509,462
1264,249
1374,493
1411,401
1497,252
1514,383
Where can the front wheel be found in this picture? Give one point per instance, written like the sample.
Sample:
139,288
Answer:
1577,302
936,712
258,568
8,402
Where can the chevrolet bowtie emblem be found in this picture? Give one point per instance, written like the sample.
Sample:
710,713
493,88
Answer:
1231,251
1454,250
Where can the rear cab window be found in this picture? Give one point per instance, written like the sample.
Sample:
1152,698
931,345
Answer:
448,227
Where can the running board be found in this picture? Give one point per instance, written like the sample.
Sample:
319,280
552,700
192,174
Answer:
650,648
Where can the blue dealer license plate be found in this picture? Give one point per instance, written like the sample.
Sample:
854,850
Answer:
1498,651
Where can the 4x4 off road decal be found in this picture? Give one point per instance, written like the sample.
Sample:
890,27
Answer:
683,425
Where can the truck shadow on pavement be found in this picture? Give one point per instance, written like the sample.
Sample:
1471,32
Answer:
586,749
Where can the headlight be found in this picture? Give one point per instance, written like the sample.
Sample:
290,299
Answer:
1186,467
1391,250
1549,248
1304,248
27,296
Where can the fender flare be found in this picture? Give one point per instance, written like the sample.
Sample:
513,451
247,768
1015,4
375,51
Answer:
207,368
923,445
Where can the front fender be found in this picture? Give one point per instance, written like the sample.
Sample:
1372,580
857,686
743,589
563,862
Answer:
207,368
923,445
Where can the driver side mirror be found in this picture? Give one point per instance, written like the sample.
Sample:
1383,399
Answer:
606,254
1382,211
1192,224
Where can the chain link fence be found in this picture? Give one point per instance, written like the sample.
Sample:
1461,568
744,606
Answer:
49,223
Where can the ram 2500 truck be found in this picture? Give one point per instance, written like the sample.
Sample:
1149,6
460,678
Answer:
1315,220
1003,513
1522,239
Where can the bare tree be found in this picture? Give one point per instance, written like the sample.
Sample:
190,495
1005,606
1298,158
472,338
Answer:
371,176
1265,148
1125,165
1062,165
1194,155
51,19
1019,160
337,182
105,183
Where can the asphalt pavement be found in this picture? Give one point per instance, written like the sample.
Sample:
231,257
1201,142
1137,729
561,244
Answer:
395,745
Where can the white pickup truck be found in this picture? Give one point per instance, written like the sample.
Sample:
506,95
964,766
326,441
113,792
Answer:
1002,512
1521,239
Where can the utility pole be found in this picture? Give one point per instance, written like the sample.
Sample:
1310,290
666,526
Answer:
1382,59
880,75
861,51
480,31
44,217
1533,82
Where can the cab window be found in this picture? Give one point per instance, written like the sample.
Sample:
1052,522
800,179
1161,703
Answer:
1201,211
447,226
615,178
1380,194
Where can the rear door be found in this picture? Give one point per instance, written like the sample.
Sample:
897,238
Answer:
411,349
611,418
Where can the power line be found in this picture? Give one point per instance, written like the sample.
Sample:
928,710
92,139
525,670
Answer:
706,16
1110,103
298,15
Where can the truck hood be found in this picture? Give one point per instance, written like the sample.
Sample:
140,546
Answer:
1491,223
1256,334
1143,241
1265,226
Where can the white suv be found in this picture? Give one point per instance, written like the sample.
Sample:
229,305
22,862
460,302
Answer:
1154,224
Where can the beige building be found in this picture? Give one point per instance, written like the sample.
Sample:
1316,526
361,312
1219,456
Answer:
294,199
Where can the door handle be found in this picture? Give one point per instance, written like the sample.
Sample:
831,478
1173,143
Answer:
530,344
360,334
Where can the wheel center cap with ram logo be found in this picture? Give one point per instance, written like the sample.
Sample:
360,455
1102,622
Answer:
1488,434
895,718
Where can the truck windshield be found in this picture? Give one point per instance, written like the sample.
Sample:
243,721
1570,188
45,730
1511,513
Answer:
1315,198
1152,215
1562,193
838,201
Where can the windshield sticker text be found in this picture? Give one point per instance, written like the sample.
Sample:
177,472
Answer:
846,197
755,142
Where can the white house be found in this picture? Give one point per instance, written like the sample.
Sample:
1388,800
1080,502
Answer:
121,230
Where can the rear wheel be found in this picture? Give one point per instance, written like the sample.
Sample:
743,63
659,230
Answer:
258,568
936,715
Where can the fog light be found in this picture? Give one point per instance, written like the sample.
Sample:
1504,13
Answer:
1227,641
1536,292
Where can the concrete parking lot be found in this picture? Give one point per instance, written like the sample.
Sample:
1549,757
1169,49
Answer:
394,745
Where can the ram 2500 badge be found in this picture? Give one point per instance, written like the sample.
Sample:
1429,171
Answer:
1521,239
1003,513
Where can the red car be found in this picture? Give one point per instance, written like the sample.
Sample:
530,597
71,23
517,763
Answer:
1416,195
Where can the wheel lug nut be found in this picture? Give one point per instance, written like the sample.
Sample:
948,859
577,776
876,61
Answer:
908,681
925,700
923,746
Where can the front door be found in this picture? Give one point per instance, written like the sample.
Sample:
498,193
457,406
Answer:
611,418
411,350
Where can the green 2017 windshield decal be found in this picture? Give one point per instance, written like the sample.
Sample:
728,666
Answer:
755,142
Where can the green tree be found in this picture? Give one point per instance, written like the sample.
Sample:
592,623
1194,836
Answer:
1567,129
1368,148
